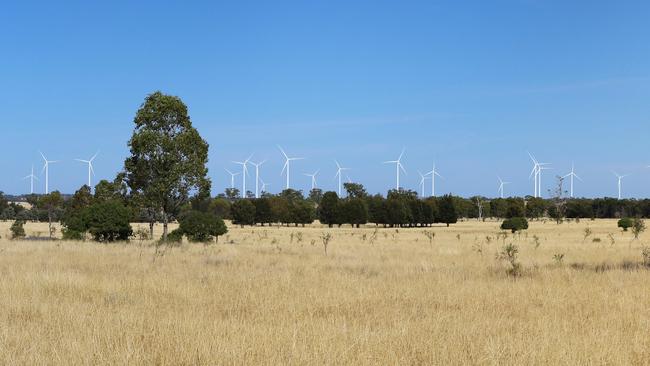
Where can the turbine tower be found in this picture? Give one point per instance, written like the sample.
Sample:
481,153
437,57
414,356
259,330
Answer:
257,177
501,186
339,175
91,171
264,185
537,174
232,178
422,179
287,164
620,178
572,175
398,166
313,178
31,180
244,173
46,169
433,174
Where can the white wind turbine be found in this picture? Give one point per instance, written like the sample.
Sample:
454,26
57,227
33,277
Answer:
422,179
244,173
572,175
31,179
264,185
339,175
91,171
287,164
313,178
46,169
537,173
433,174
620,178
502,184
398,166
257,177
232,178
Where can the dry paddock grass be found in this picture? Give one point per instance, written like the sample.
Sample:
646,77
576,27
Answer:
260,298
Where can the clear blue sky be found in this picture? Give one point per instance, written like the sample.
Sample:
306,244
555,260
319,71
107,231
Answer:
473,84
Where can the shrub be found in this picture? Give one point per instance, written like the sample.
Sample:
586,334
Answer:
202,226
17,229
638,227
175,236
515,224
625,223
509,254
108,221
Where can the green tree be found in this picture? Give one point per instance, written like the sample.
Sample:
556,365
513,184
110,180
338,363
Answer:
243,212
202,227
515,224
51,203
329,210
303,212
17,229
355,212
168,156
263,211
355,190
446,210
108,221
625,223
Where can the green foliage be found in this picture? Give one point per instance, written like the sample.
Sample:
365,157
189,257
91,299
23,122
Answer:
515,224
108,221
168,156
263,211
175,236
201,226
17,229
625,223
355,212
638,226
330,209
243,212
447,211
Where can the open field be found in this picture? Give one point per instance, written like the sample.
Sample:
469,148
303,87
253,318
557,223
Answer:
263,297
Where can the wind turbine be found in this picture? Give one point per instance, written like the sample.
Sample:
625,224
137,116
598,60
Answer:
422,179
537,173
433,174
620,178
91,171
339,175
31,178
501,186
46,169
287,164
398,166
313,178
257,176
244,173
264,185
572,175
232,178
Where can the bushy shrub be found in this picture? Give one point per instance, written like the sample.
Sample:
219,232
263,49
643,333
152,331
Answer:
108,221
625,223
515,224
17,229
175,236
201,227
243,212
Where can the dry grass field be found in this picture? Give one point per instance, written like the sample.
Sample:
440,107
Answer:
270,296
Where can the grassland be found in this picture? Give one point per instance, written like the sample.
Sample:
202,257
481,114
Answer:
264,296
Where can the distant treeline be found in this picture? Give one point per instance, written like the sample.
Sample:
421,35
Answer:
401,208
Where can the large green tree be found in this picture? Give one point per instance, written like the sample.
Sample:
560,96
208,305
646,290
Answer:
168,156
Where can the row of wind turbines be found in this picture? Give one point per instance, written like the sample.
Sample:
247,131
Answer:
46,170
286,170
535,174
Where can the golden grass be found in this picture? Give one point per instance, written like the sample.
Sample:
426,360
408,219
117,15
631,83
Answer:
263,299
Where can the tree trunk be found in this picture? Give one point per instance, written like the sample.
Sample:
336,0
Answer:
151,223
165,222
49,222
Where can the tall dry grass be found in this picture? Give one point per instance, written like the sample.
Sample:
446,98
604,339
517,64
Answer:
261,297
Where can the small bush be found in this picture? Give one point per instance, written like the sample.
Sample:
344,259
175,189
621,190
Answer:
70,234
175,236
515,224
17,229
202,227
625,223
108,221
638,226
509,254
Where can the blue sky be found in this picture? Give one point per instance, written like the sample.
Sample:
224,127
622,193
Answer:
471,84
